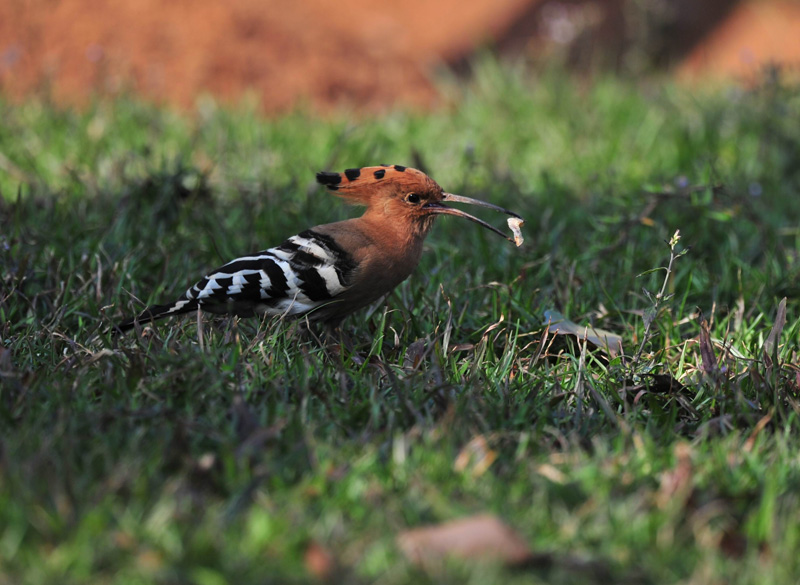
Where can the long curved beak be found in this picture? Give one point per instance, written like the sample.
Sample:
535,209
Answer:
461,199
439,208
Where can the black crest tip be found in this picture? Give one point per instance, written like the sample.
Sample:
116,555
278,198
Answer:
330,180
352,174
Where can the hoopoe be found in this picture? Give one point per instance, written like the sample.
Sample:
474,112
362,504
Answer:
331,270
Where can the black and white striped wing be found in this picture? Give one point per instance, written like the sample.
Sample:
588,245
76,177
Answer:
306,271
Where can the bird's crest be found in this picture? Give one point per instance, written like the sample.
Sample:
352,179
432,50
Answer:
358,186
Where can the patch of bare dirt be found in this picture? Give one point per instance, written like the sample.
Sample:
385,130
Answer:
369,54
754,34
365,52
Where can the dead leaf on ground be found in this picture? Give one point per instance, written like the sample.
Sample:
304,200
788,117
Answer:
319,561
709,359
552,473
760,426
773,339
483,537
415,354
462,347
609,342
476,456
676,484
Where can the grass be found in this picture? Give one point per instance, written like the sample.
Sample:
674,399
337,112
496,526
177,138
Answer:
161,460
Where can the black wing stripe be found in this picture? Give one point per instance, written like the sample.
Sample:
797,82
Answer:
343,262
304,271
279,286
216,286
302,259
221,291
289,246
313,284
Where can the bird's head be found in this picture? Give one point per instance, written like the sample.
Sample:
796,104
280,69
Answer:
402,195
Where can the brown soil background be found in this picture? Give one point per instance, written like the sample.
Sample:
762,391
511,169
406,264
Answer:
365,53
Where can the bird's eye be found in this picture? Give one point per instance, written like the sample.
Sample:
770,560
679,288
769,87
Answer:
412,198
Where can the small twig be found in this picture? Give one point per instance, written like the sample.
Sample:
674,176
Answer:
200,330
660,298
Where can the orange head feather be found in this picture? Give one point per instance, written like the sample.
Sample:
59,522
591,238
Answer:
401,194
367,185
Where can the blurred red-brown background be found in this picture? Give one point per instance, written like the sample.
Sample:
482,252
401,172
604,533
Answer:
367,53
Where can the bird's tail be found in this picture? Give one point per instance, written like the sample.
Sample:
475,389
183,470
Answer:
156,312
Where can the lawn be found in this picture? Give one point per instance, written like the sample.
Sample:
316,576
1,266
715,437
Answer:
255,452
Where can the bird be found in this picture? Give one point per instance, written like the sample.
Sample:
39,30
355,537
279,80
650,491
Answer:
328,272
